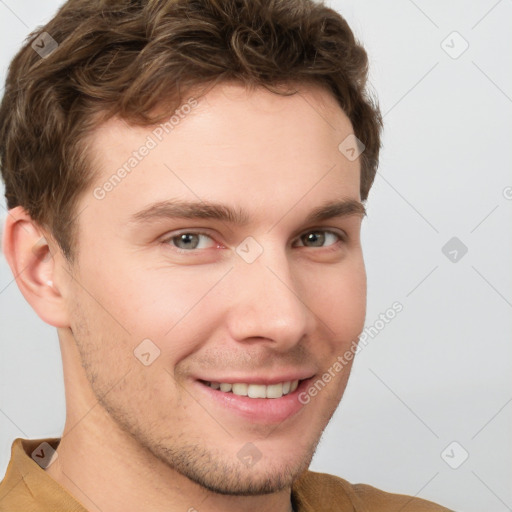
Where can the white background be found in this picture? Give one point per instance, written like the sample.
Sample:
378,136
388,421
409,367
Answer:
440,371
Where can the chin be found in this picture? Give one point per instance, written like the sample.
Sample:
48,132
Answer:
231,476
253,481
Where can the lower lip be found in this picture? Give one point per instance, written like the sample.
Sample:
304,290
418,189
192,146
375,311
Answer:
257,410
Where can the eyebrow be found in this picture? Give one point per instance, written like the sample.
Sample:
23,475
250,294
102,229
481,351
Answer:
174,208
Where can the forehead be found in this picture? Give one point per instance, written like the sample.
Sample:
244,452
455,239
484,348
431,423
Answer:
231,145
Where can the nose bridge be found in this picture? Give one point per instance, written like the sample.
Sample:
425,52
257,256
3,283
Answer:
266,302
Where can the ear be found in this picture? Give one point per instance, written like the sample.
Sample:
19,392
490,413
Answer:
27,250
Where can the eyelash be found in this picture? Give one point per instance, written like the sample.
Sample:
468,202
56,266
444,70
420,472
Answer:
342,237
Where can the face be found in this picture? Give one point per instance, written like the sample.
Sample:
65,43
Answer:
214,263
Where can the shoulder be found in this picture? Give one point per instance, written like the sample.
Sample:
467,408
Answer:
319,491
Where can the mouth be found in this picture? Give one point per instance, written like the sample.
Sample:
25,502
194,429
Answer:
277,390
256,402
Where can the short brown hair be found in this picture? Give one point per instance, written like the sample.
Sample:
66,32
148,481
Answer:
125,58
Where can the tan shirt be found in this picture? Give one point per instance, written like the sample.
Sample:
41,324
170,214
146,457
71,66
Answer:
26,487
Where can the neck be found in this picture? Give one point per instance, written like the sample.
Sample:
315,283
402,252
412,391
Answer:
108,472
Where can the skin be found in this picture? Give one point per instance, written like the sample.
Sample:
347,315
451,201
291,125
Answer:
144,437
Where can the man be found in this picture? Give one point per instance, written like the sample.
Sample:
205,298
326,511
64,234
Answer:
186,184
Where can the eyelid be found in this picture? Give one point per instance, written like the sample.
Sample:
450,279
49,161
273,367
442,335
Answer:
342,235
167,239
338,232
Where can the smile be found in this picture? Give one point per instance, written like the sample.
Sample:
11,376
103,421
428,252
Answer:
264,400
256,390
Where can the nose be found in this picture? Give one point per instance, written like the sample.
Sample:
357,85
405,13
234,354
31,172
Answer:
266,302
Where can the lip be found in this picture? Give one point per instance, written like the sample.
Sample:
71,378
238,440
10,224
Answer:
256,410
266,381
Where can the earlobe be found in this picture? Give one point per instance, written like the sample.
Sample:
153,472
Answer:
33,265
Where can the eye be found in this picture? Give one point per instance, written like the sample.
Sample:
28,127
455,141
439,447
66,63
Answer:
189,241
318,238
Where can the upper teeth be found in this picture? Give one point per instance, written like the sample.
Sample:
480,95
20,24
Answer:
256,390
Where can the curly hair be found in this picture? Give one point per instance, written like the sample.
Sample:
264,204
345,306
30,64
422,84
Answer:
133,58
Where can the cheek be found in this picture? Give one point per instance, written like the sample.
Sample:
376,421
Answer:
342,299
165,305
129,386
